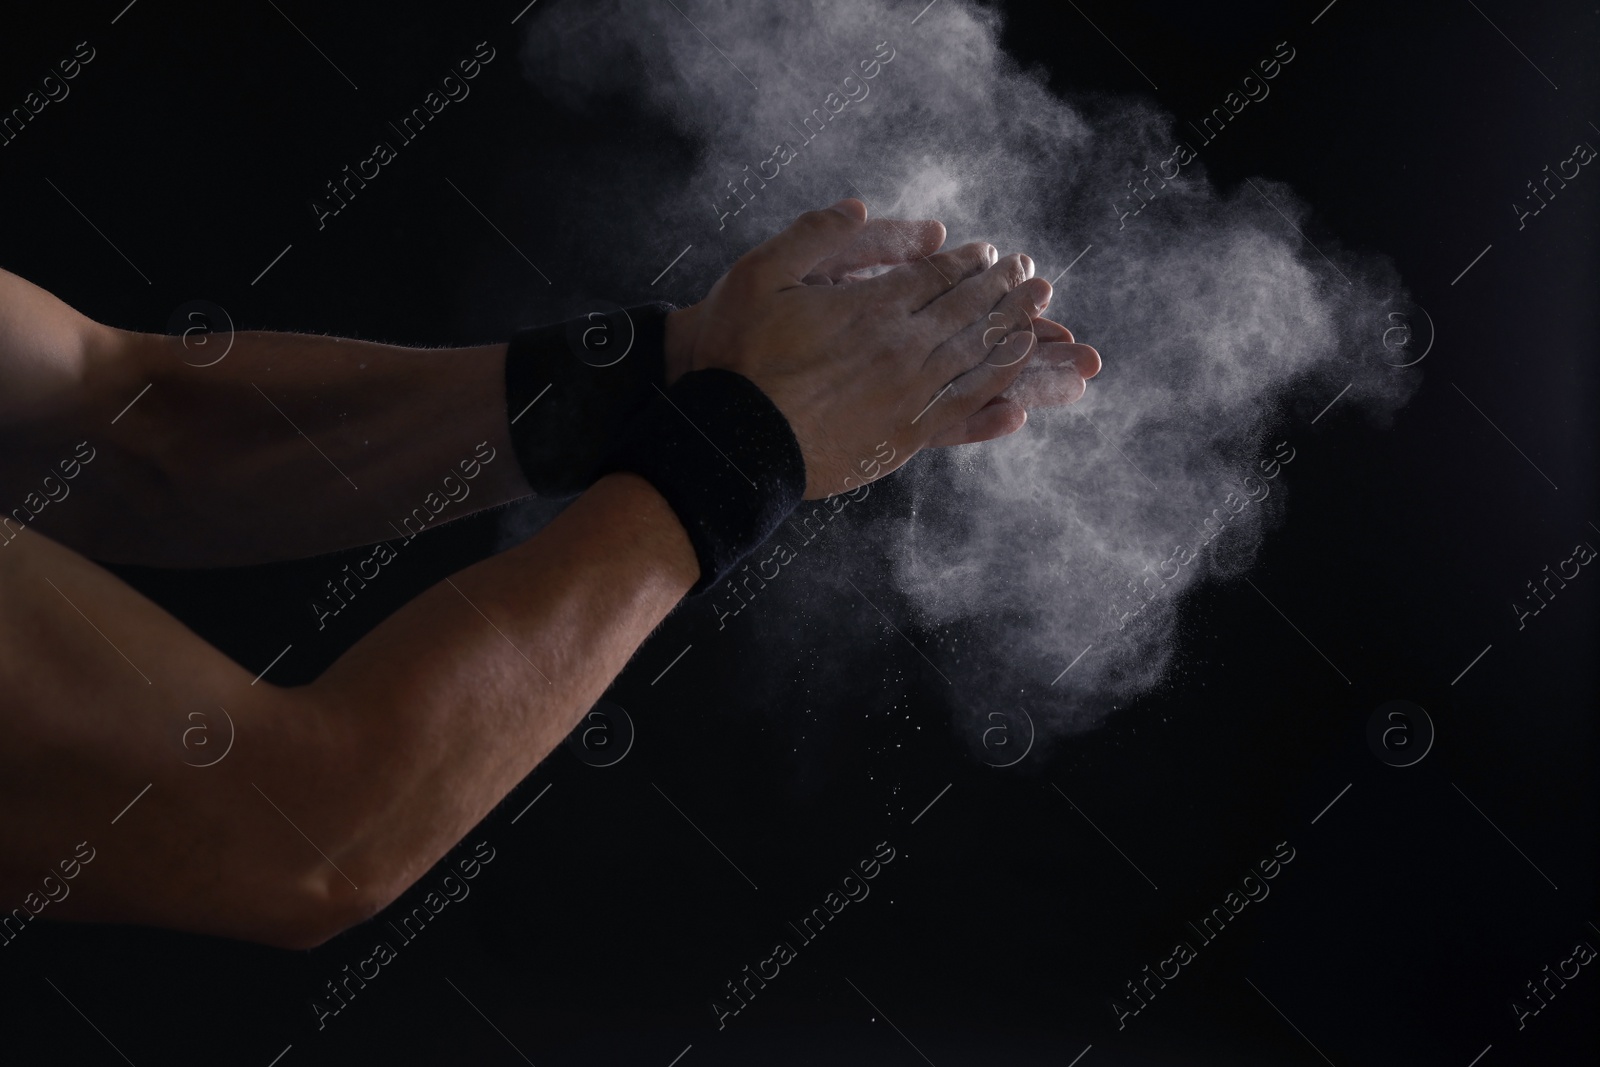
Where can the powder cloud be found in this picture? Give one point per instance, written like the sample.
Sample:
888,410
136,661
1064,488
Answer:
1217,319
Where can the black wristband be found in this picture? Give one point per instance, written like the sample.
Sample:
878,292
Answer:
573,389
724,458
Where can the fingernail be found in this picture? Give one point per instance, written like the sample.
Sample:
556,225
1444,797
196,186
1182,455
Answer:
991,255
1027,266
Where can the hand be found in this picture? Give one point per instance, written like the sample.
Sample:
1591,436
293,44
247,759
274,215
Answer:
902,358
880,243
1056,376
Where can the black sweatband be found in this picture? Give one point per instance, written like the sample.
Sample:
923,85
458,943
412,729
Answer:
573,389
724,458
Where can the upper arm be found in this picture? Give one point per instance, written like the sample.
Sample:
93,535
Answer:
123,731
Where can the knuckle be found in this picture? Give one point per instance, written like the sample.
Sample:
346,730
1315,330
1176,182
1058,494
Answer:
959,263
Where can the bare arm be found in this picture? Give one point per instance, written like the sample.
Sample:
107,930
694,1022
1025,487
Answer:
382,764
337,795
292,445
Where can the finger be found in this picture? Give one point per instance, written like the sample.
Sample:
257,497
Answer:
1082,357
884,243
987,337
913,285
1050,330
1046,385
1052,335
997,418
786,258
967,394
970,301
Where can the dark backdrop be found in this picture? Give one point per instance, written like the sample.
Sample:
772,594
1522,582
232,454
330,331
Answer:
1415,907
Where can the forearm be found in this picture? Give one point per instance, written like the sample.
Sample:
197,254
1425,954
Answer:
384,762
290,445
423,726
477,680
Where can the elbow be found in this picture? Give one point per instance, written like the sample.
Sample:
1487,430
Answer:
321,905
309,933
319,925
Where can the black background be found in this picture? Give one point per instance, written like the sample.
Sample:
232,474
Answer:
1407,921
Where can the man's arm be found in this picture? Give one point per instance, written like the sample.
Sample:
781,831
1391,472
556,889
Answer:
334,796
241,449
293,445
290,446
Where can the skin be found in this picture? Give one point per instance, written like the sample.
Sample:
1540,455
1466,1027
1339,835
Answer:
209,468
1057,374
336,796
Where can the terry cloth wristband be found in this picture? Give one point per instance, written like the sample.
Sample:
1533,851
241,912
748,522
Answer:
573,388
724,458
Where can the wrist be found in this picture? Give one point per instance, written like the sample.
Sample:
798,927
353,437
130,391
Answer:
651,524
724,458
598,371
